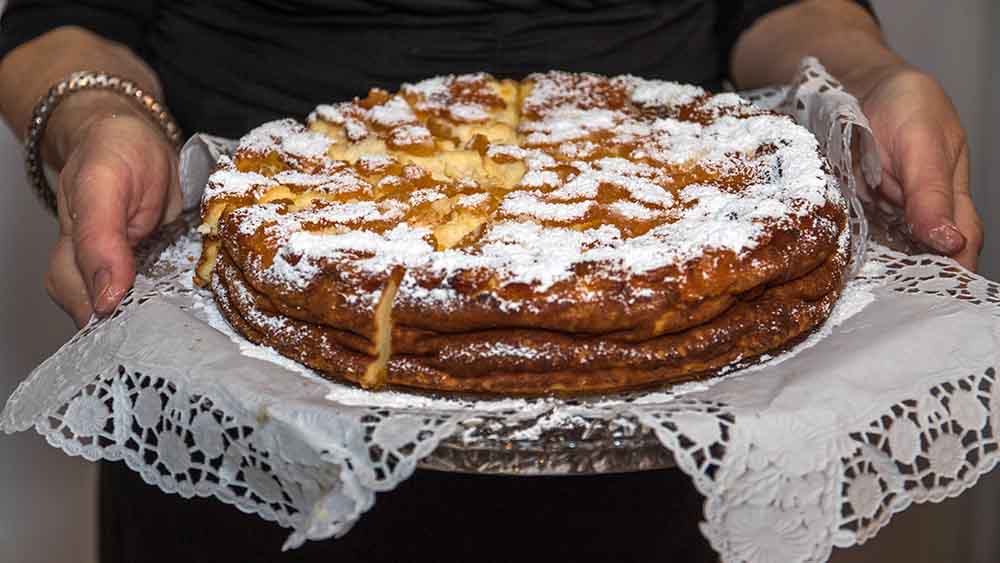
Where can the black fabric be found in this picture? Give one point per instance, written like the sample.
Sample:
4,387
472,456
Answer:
229,66
431,517
125,22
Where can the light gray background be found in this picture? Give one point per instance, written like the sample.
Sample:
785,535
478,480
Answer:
47,509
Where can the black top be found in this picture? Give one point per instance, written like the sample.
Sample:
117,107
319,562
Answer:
229,66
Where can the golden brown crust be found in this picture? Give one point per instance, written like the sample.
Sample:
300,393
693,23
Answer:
672,299
570,233
531,362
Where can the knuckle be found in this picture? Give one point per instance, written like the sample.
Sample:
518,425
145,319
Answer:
924,137
87,234
915,78
104,174
960,138
929,198
937,188
956,141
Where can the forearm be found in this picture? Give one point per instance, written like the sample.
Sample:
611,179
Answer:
841,34
28,72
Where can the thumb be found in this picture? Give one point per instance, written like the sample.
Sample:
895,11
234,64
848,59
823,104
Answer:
99,206
927,169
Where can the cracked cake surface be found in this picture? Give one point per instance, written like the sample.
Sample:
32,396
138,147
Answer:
564,233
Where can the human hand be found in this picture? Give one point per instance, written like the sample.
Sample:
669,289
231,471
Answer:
119,182
925,158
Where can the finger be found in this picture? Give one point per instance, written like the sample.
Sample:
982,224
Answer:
99,207
969,223
62,206
927,171
160,198
965,215
64,284
888,194
175,199
891,191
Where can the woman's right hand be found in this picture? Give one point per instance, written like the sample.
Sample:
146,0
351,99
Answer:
119,182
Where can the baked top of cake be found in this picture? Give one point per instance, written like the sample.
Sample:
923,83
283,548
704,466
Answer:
466,219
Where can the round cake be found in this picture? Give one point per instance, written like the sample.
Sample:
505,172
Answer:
566,233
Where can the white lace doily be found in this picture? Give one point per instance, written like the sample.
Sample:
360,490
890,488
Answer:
892,402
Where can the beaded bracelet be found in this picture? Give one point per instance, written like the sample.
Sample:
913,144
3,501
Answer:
76,82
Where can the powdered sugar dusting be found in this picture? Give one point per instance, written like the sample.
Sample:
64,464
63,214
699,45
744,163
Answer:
468,112
532,204
473,200
411,135
512,151
660,94
255,217
394,112
463,98
568,123
327,113
539,178
376,162
608,151
268,136
633,210
306,144
425,195
230,182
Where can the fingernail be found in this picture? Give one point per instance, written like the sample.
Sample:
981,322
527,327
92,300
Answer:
887,208
946,239
102,284
82,322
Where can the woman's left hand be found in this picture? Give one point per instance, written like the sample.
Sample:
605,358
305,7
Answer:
925,158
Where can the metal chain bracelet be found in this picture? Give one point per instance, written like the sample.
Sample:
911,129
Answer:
76,82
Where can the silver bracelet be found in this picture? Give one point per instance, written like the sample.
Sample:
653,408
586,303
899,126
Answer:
84,80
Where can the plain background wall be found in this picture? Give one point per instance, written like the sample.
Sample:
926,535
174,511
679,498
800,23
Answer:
47,498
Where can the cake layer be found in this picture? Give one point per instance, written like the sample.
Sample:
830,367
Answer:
592,302
540,361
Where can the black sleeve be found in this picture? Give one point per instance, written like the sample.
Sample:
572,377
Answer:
735,17
123,21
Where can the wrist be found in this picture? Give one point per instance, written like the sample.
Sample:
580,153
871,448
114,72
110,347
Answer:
78,118
860,81
74,116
